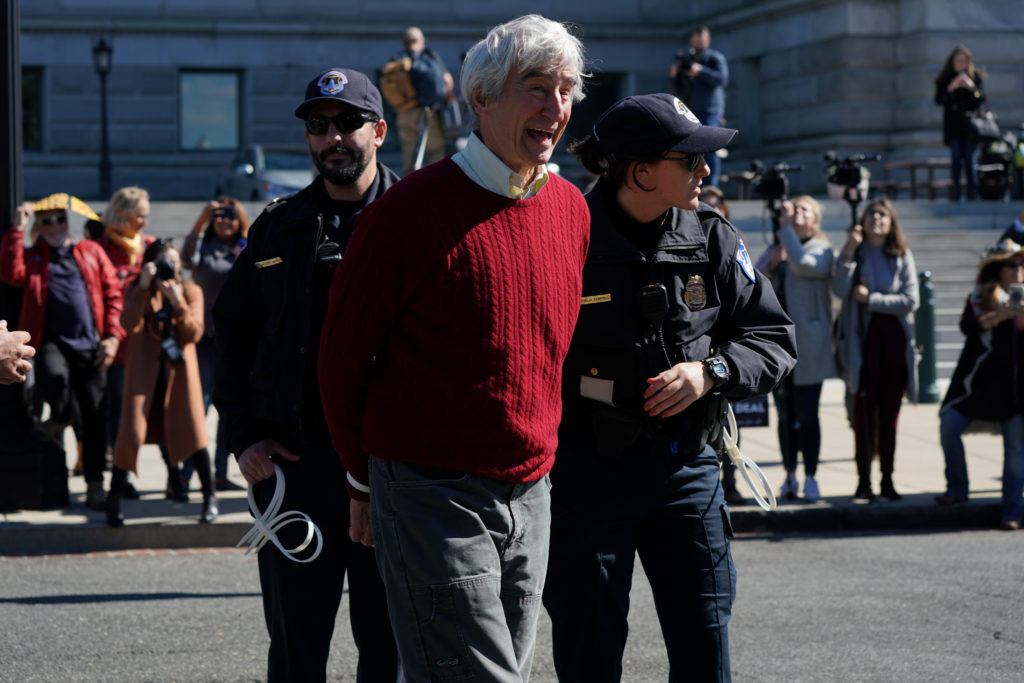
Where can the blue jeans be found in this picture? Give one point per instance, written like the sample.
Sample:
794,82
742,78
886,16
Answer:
961,153
665,507
952,425
463,560
714,163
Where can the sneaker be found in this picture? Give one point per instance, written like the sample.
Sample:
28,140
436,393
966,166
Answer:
811,493
789,488
1011,525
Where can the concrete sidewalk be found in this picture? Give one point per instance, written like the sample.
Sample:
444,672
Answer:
154,522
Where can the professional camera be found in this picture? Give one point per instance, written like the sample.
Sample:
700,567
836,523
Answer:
772,184
847,180
164,270
685,58
167,343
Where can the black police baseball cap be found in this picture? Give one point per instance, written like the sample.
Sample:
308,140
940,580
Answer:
642,126
342,85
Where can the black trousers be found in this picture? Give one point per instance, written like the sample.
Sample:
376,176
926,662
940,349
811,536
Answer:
63,376
300,601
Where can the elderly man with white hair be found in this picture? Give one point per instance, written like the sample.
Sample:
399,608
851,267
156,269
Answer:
440,364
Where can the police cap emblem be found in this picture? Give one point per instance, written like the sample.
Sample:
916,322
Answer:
332,83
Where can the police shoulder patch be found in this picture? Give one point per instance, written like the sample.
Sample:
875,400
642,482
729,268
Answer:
743,259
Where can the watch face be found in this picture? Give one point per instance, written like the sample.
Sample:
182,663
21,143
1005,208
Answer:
719,369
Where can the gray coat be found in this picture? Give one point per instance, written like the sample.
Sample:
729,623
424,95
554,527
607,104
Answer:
901,299
808,302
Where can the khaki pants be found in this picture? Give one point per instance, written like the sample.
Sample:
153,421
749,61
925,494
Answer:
409,123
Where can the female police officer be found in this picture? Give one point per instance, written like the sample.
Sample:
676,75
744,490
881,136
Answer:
673,318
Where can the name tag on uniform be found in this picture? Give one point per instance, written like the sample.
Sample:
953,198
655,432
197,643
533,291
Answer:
596,299
266,263
597,389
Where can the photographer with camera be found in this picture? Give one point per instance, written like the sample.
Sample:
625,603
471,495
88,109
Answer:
699,76
163,396
987,383
800,268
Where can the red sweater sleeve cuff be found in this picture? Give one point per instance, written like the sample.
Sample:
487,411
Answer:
356,489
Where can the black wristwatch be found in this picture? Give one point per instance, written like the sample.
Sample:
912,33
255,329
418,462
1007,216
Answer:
719,370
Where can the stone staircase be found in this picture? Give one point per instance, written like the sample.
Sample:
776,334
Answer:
947,240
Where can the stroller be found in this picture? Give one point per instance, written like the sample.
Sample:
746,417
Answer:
994,166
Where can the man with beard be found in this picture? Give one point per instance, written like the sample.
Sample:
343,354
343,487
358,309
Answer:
268,319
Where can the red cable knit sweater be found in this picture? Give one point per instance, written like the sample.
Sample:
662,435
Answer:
448,322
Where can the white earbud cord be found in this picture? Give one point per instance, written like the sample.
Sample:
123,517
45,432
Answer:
268,523
745,465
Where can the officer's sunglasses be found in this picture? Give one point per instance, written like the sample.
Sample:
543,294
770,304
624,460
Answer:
59,219
694,161
343,123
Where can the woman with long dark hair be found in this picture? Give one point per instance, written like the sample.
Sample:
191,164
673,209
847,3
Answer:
876,279
163,398
958,88
218,236
987,385
673,318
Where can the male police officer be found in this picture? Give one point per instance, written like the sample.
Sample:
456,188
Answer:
268,319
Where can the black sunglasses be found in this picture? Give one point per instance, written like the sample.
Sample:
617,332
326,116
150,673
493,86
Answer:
343,123
695,160
59,218
227,212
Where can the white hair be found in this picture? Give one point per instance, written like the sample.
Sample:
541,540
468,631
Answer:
529,43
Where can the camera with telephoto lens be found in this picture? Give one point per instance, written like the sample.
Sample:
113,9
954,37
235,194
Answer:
164,270
167,343
848,173
686,59
772,183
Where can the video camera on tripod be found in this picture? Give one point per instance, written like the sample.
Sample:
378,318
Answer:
773,187
847,179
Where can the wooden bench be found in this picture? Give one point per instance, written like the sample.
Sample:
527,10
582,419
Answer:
930,184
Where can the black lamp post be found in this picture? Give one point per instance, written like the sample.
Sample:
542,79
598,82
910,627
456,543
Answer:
101,54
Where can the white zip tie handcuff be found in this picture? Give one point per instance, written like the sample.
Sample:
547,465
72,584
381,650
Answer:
268,523
744,465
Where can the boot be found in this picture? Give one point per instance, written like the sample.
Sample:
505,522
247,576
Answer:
114,518
94,498
863,493
175,489
888,491
201,460
210,509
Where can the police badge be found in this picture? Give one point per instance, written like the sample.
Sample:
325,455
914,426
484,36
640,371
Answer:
694,294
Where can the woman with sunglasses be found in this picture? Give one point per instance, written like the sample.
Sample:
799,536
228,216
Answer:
71,307
673,319
876,279
987,384
218,236
163,394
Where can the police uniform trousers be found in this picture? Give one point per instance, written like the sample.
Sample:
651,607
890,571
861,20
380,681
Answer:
669,508
300,601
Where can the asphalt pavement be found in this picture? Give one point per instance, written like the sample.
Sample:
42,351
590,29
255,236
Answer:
154,522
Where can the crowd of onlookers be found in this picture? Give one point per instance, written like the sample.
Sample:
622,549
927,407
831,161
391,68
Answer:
115,343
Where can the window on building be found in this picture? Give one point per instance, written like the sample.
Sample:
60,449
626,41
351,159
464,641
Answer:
603,90
209,110
32,107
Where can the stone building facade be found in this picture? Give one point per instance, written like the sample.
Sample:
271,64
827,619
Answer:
192,80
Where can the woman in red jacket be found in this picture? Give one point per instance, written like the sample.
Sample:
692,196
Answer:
71,305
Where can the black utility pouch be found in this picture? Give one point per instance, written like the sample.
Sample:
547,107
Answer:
613,432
